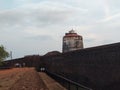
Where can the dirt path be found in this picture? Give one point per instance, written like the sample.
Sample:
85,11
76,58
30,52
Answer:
9,77
50,83
29,81
26,79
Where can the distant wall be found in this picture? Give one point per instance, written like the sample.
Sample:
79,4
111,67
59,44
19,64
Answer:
97,67
30,61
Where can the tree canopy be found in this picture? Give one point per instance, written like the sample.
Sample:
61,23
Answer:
3,53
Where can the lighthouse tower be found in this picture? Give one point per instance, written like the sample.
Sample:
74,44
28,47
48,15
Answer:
72,41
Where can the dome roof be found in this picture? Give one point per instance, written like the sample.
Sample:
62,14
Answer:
72,33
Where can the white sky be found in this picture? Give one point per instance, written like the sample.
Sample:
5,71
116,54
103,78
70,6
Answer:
30,27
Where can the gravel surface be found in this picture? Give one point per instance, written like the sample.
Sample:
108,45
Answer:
21,79
26,79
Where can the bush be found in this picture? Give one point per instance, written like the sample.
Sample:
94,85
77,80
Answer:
3,54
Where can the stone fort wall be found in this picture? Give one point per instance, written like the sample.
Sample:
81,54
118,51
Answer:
97,67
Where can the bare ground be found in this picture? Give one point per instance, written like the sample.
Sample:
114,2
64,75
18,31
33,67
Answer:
26,79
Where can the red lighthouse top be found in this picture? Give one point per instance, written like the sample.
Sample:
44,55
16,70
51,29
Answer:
71,34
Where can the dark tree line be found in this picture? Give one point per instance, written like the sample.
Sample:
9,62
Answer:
3,54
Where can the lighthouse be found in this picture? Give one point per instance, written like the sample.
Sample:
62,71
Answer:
72,41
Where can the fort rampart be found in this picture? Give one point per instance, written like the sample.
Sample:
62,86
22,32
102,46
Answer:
97,67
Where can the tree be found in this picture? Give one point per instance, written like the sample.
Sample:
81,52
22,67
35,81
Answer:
3,54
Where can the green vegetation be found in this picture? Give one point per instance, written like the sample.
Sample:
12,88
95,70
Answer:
3,54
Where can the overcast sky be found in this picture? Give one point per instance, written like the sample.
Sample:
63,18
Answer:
30,27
